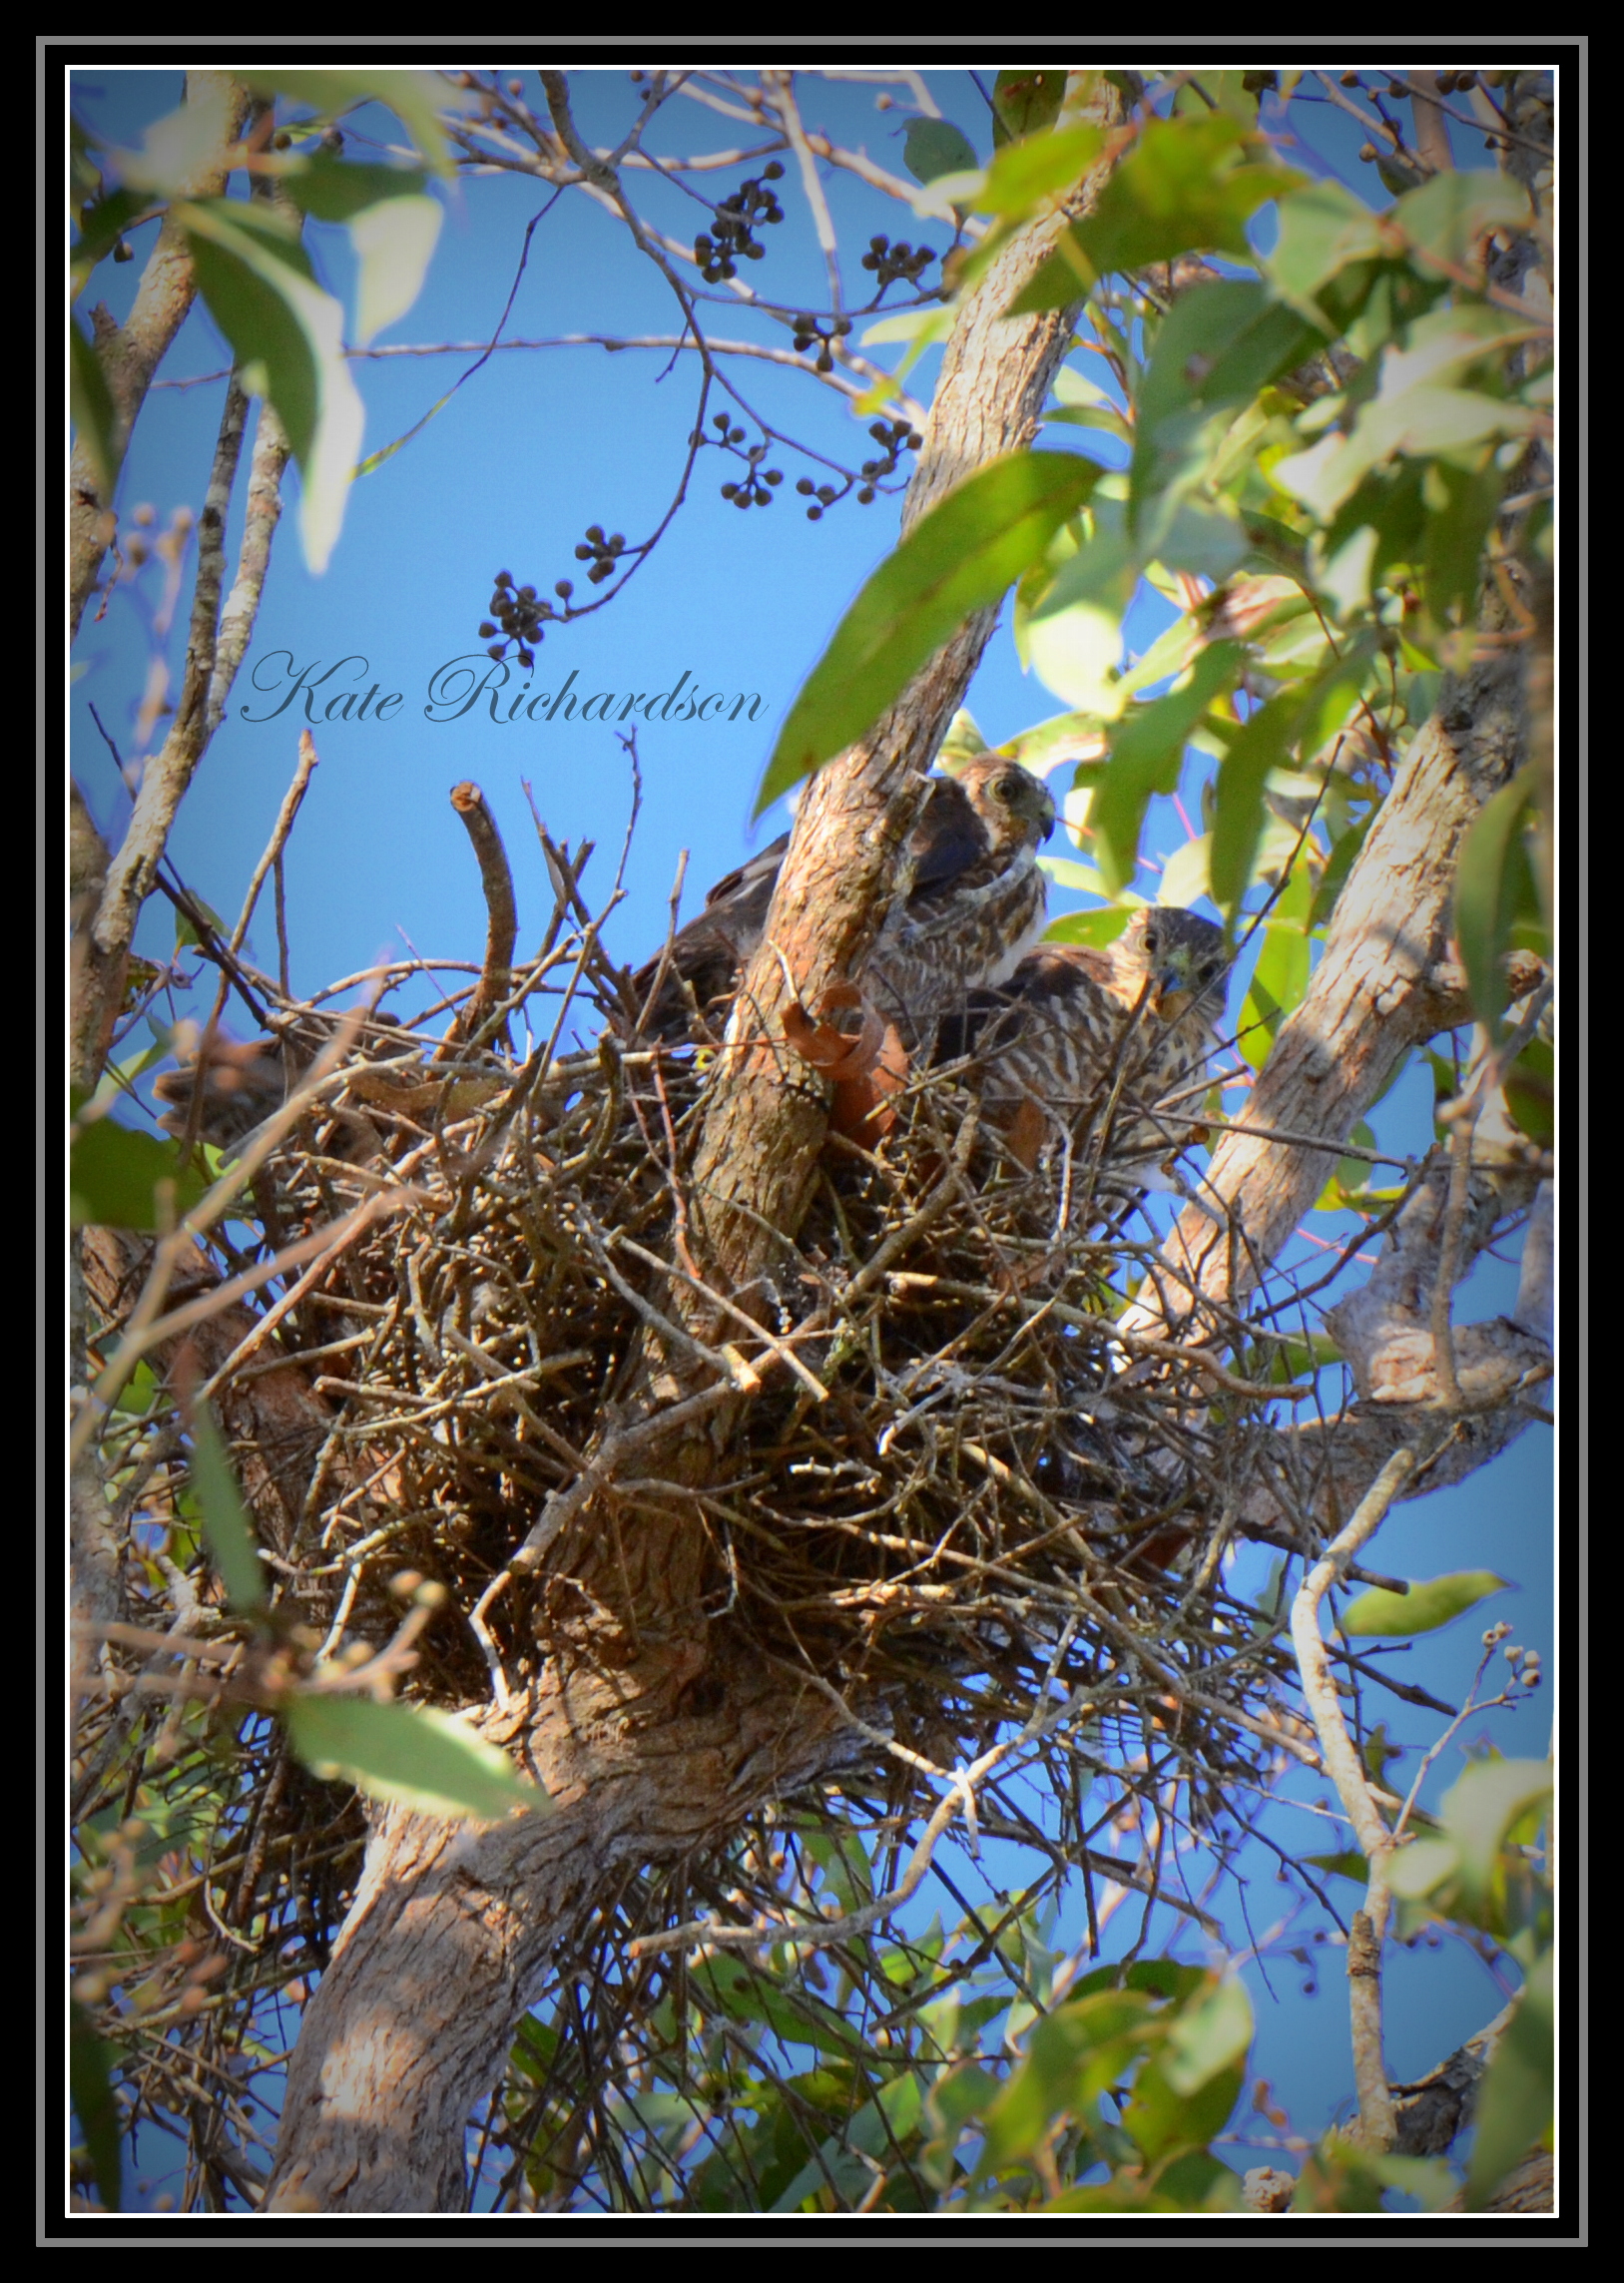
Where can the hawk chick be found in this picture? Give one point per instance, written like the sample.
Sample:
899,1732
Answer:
971,900
1098,1040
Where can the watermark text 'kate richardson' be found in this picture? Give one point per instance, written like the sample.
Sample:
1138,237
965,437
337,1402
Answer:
476,684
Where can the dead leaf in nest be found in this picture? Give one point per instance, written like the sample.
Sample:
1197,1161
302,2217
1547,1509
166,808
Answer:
868,1067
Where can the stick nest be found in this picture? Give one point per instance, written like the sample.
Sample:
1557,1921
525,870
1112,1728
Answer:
953,1491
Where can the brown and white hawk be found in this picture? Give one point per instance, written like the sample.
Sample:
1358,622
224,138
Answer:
971,901
1108,1045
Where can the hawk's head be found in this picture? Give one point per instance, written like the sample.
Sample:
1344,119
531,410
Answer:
1016,809
1181,956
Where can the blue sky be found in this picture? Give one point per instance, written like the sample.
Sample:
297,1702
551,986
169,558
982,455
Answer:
539,445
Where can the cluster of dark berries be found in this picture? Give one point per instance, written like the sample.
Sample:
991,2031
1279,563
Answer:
894,437
823,330
823,495
760,484
517,613
891,262
731,239
603,554
897,437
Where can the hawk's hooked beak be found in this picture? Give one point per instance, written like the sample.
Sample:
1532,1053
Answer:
1171,995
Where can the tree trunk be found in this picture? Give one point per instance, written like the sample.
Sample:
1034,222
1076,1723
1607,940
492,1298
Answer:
657,1732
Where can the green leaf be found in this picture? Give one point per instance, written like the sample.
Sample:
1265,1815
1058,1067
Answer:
1407,418
919,326
1208,2035
1096,927
1065,873
1494,888
330,189
1147,754
1162,2119
1221,343
960,2093
1243,774
393,227
415,96
1480,1809
395,242
1517,2098
1338,870
177,146
1430,1603
226,1525
114,1177
101,224
1449,217
1072,2056
959,558
1206,542
1024,103
1069,611
289,333
1530,1092
1347,1866
1458,531
93,417
90,2087
1184,875
1281,974
933,146
1307,716
1323,229
1186,185
414,1754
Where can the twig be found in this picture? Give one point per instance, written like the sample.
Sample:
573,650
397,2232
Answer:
279,841
502,931
1377,2121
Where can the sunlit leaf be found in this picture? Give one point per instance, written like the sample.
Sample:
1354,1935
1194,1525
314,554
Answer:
414,1754
1208,2035
260,294
963,556
178,148
393,243
1097,927
1482,1807
1186,185
1449,217
415,97
1162,2117
1430,1603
